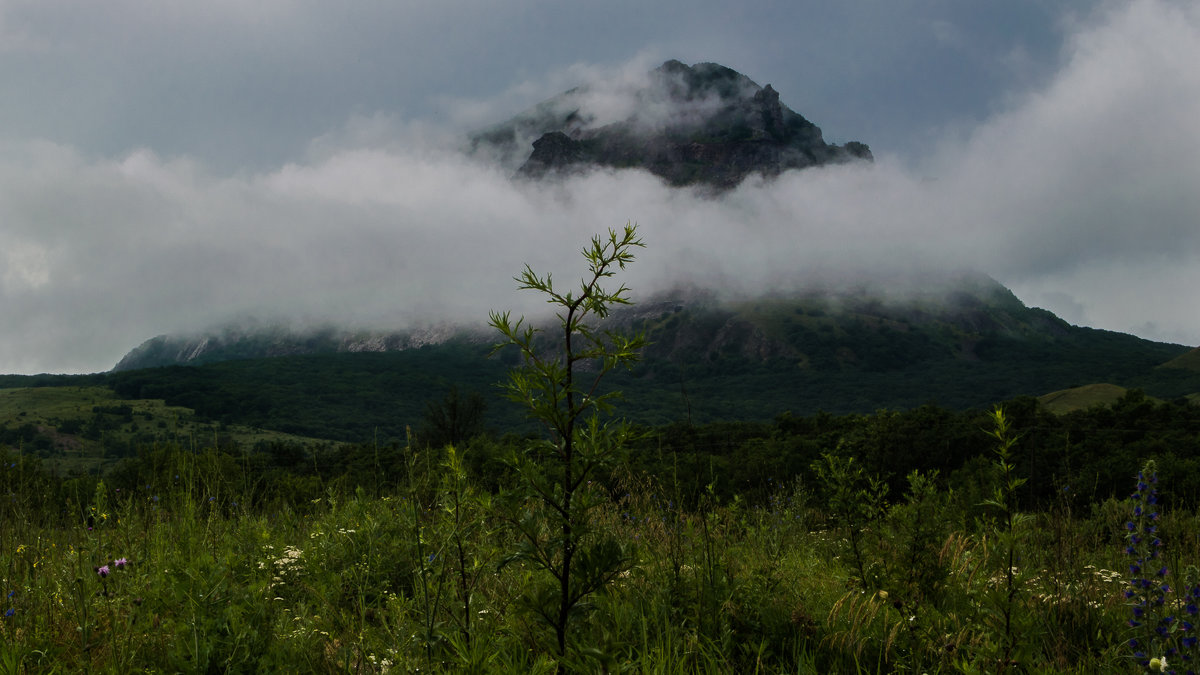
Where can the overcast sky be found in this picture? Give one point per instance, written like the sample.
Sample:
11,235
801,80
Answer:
168,167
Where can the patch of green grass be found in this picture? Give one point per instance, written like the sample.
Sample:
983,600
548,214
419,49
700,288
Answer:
1187,361
78,429
1082,398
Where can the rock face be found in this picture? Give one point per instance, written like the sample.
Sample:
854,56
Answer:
704,124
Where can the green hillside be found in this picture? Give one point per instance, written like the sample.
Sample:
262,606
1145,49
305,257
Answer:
378,396
959,343
1082,398
81,428
706,363
1187,361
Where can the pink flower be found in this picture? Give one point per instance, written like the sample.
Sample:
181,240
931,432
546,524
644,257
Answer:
102,570
121,562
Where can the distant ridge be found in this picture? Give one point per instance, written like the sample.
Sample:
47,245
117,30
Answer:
1187,361
962,318
256,342
704,124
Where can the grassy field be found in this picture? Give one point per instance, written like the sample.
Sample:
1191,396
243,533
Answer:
186,571
86,429
1082,398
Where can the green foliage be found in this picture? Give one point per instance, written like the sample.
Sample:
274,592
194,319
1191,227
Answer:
226,574
855,500
453,420
560,389
1002,539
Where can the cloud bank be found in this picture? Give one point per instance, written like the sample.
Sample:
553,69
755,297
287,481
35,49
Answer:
1079,194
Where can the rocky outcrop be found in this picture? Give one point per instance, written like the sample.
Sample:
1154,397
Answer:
554,151
704,124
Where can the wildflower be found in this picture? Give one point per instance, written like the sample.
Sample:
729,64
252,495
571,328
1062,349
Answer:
103,571
121,563
1144,597
11,611
1159,664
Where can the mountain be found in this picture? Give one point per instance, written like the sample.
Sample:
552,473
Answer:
851,326
867,327
957,341
256,341
965,343
704,124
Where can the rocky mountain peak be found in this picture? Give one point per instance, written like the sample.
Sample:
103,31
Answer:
704,124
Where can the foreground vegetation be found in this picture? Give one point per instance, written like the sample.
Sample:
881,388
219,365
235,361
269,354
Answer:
187,562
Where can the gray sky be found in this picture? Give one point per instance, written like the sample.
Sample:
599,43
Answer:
166,167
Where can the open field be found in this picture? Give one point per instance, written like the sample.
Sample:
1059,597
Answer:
88,428
202,560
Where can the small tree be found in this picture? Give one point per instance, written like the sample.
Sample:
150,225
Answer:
452,420
558,382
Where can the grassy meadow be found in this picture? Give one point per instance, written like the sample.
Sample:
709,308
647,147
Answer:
89,429
192,567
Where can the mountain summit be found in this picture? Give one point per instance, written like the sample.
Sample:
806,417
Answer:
704,124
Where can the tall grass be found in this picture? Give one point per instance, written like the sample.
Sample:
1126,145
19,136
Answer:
196,569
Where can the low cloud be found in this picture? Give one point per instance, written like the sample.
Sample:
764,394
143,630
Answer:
1080,196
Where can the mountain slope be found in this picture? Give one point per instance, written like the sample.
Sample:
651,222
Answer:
1188,361
966,342
704,124
1082,398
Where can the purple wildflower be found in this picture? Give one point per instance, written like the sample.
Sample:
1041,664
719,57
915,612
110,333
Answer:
103,570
